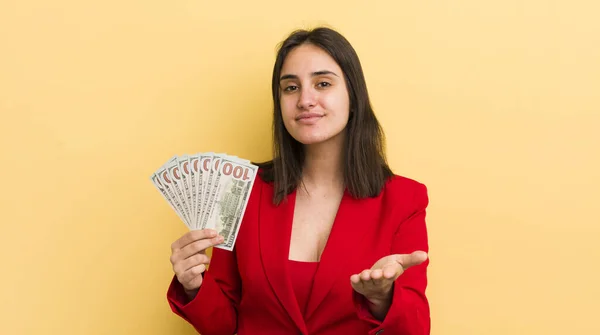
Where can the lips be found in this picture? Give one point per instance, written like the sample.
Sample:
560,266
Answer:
308,116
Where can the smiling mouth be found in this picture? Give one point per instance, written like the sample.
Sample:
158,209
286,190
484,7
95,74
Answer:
309,116
309,119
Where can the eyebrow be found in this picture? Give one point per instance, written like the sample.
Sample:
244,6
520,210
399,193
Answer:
314,74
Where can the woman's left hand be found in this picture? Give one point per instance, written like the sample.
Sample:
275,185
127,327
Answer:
376,283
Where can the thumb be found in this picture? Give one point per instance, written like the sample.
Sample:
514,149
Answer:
412,259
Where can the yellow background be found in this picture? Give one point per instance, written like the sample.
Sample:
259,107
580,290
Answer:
494,105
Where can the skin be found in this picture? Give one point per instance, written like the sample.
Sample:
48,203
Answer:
377,282
189,259
312,84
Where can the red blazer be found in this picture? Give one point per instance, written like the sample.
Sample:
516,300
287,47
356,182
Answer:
248,291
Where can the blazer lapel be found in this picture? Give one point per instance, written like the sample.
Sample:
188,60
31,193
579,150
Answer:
346,232
275,225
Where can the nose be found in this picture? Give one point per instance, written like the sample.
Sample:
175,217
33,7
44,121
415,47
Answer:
307,99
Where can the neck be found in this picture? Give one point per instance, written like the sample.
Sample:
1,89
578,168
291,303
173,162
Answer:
324,164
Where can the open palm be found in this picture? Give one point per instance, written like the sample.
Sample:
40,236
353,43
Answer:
376,283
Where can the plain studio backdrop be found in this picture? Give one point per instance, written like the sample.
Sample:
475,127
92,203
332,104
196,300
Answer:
494,105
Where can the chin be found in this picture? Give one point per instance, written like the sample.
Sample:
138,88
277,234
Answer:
311,139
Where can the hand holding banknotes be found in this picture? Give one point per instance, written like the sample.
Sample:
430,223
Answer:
207,191
189,259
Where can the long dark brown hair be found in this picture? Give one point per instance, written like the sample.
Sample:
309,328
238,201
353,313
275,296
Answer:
365,166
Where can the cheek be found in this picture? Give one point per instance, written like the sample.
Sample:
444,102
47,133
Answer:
338,104
288,106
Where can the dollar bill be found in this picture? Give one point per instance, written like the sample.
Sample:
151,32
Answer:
165,193
204,160
194,175
175,176
207,183
164,182
185,184
233,182
207,190
212,184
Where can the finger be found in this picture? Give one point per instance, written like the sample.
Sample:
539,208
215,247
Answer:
365,275
357,283
192,273
192,236
355,279
377,276
190,262
392,271
412,259
198,246
377,280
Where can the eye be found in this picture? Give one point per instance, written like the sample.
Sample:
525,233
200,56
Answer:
290,88
323,84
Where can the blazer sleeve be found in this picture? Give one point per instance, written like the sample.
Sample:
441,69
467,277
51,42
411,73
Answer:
409,313
214,309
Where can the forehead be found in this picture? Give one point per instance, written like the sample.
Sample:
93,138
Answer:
308,58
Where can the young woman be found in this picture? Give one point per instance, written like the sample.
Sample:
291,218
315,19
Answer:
332,242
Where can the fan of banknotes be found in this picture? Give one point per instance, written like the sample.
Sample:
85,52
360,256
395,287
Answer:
208,190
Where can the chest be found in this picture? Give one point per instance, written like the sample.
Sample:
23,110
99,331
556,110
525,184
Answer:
344,235
312,221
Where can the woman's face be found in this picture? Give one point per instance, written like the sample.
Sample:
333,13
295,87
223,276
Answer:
314,99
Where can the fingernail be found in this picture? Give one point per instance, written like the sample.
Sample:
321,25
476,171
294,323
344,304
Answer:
213,233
